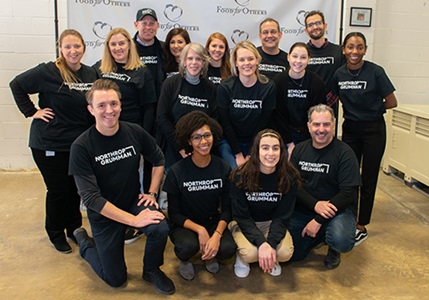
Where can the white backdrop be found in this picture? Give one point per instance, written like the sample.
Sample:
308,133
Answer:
236,19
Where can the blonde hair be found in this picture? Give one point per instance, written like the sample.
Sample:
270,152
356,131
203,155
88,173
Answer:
108,62
67,74
200,51
248,46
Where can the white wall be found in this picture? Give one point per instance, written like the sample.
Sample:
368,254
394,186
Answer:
398,40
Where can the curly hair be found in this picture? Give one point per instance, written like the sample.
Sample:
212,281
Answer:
247,175
191,122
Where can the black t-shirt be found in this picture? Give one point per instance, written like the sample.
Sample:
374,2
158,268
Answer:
67,102
271,65
197,193
363,93
214,75
113,161
266,204
325,61
244,111
137,90
325,172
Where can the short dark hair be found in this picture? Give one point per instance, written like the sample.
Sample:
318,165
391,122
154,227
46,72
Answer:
192,121
102,85
352,34
313,13
269,20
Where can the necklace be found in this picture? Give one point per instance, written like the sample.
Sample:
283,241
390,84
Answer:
297,83
354,73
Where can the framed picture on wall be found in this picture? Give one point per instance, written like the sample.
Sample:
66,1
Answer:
360,16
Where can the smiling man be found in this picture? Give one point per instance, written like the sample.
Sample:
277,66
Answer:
326,206
105,161
274,60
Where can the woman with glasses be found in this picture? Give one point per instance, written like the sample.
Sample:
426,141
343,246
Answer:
198,197
182,93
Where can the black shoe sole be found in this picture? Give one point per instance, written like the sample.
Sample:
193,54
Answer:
147,278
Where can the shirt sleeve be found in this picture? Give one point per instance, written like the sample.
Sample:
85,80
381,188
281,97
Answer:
164,114
90,192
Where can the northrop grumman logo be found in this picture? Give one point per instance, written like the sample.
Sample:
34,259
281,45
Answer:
104,2
240,9
173,13
100,30
239,36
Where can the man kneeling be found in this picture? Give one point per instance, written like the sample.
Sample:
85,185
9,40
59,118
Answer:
326,205
104,161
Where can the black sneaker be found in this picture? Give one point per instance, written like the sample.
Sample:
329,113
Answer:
332,259
63,247
132,235
160,281
360,236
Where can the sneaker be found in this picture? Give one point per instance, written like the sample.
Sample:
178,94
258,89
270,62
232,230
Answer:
276,271
212,266
186,270
360,236
132,235
160,281
241,268
332,259
63,247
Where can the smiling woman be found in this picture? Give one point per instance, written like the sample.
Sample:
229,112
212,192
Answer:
61,118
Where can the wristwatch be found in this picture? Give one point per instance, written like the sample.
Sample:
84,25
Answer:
155,195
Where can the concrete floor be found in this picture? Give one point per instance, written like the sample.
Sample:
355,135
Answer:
392,264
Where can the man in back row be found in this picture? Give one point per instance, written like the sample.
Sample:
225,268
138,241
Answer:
274,59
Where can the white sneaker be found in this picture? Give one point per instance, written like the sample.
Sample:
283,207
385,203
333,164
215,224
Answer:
241,268
276,271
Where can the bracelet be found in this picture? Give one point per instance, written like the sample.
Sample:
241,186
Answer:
219,232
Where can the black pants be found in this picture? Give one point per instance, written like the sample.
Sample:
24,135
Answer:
186,243
106,253
62,199
368,140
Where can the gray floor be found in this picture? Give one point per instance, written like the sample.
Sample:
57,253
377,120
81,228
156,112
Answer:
392,264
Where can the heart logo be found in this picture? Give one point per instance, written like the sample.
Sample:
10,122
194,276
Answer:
300,17
173,12
239,35
242,2
101,29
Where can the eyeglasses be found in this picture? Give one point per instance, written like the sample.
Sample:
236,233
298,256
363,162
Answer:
197,138
317,23
272,31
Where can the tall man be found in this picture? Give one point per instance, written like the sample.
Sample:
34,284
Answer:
148,45
325,57
274,60
105,161
326,206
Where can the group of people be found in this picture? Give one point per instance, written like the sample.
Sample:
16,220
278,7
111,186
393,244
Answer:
245,137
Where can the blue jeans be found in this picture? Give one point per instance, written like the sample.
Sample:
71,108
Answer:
338,233
106,256
226,154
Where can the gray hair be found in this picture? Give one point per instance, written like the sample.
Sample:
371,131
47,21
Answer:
320,108
200,51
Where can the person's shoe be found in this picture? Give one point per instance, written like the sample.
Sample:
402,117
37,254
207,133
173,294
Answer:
63,247
132,235
361,235
241,268
186,270
276,271
160,281
212,266
332,259
71,238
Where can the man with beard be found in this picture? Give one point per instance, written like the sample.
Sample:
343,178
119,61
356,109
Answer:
325,57
326,206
